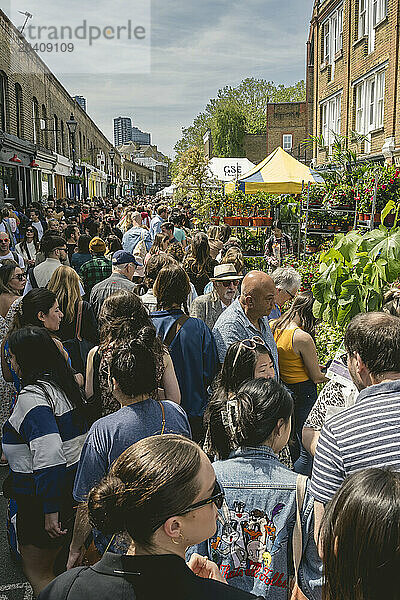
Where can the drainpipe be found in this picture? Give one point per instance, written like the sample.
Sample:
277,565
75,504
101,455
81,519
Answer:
348,70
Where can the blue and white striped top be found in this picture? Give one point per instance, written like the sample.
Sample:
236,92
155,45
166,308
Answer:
364,436
43,444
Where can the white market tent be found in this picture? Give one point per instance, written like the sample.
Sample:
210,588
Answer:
167,192
226,169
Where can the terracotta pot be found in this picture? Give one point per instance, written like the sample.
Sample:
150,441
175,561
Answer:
215,220
268,221
228,220
377,218
244,221
258,221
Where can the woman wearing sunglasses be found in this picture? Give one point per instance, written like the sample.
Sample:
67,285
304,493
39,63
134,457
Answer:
163,492
299,368
29,246
245,360
253,546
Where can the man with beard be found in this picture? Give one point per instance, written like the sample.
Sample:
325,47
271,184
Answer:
210,306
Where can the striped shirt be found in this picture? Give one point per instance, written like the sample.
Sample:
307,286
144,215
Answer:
364,436
43,444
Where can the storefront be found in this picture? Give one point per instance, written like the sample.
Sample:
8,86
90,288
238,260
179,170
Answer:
46,162
62,170
16,158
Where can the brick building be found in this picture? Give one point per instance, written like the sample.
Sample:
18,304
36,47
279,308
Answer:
353,75
286,125
35,149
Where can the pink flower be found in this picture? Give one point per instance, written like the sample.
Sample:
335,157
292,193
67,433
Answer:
383,186
392,181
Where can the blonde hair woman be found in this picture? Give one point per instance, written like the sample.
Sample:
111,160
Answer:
64,283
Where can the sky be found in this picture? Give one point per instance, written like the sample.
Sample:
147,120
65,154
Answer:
184,52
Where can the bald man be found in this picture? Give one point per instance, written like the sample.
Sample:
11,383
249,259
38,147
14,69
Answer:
247,316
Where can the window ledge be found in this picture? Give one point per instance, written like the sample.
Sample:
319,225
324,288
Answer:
377,130
323,66
382,22
360,41
339,54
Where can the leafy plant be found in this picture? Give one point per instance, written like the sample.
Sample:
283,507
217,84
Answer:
355,272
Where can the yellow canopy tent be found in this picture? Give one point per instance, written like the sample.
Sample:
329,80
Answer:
278,173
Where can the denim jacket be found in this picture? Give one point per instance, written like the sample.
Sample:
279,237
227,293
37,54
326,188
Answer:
253,548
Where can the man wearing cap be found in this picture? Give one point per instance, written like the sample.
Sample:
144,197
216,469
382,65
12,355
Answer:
210,306
97,268
125,267
136,234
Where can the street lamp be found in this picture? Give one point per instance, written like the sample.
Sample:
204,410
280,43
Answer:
72,125
111,154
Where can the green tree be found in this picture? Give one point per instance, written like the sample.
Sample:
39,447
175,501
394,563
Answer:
192,175
229,127
250,97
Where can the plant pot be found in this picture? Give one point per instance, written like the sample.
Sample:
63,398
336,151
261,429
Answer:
377,218
389,220
268,221
258,221
329,227
244,221
228,221
215,220
337,227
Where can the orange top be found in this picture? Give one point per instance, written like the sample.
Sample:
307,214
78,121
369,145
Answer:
291,365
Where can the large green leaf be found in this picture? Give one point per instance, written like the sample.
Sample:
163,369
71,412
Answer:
348,245
382,243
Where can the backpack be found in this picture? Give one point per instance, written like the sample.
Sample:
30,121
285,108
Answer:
140,248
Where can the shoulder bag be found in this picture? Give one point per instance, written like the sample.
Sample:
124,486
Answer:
297,539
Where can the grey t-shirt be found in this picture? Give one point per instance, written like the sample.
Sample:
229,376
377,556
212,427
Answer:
110,436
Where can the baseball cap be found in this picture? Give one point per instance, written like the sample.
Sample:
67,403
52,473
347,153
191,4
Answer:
120,257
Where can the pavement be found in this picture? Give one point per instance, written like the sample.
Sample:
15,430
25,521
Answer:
13,584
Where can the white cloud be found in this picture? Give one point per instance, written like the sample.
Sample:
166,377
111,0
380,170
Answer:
196,48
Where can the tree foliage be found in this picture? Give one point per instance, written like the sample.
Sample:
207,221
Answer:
229,126
192,175
249,98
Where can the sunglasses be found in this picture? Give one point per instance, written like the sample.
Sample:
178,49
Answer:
251,344
20,276
228,283
217,497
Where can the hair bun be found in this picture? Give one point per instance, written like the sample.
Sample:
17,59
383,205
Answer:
105,505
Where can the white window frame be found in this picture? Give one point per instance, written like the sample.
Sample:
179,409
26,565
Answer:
331,118
370,14
370,103
332,31
362,18
285,147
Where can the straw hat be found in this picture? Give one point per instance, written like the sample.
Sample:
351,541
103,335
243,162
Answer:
226,272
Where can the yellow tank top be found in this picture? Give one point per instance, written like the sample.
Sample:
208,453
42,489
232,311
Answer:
291,365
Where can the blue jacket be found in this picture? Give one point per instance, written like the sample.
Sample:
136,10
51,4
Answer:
133,236
194,355
253,547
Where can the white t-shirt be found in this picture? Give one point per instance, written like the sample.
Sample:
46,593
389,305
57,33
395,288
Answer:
10,256
39,228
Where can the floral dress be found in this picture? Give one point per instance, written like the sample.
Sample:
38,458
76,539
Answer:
7,390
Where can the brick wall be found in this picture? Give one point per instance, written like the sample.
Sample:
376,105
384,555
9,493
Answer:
353,62
23,66
255,147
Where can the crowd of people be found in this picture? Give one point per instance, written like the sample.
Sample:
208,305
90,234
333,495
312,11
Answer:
161,422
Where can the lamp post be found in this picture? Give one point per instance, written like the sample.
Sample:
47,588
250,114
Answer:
111,154
72,125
